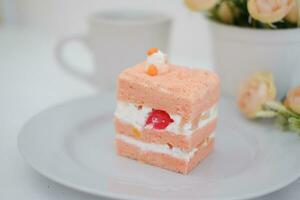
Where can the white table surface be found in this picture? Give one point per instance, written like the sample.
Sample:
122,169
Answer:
30,81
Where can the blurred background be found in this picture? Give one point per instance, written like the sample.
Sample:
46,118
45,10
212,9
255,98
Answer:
31,78
64,17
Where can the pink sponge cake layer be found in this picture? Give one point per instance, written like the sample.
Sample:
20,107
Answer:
183,91
183,142
164,160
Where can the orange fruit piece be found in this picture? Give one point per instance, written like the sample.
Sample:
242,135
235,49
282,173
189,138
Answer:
152,70
136,133
152,51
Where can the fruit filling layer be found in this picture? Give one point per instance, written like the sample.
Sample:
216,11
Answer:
143,117
164,148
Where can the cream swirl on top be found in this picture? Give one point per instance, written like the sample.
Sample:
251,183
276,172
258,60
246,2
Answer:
156,58
156,62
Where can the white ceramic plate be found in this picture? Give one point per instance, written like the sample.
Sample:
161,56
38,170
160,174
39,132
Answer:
72,144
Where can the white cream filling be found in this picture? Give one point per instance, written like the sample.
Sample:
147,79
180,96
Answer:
130,113
162,148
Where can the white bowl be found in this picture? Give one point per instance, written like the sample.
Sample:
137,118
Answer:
239,52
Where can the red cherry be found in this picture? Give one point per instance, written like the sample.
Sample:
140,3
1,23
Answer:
159,119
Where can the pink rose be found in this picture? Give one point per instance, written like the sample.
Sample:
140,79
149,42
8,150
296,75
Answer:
254,92
292,16
292,100
269,11
197,5
225,12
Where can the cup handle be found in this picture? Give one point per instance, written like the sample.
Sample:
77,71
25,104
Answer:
65,65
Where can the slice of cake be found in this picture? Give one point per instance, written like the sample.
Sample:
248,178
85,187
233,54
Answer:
166,114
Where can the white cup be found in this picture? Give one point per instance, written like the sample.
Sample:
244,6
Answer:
116,40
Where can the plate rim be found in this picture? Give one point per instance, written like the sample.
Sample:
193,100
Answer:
103,193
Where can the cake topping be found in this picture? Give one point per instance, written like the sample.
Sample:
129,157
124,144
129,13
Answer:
152,70
156,62
159,119
136,133
152,51
156,57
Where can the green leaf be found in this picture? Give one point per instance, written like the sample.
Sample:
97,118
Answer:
294,129
279,107
266,114
294,121
282,122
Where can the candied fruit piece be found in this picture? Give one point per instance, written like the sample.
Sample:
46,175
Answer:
136,133
152,70
152,51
